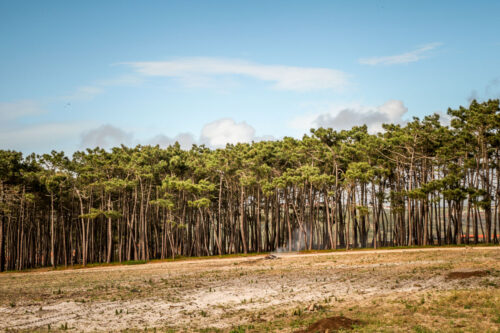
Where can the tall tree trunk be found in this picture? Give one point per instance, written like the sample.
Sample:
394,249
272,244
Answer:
287,217
2,244
52,232
110,233
242,220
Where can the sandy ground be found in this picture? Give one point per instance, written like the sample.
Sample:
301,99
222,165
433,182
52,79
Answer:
215,294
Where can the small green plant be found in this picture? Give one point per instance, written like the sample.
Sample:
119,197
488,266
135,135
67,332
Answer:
238,329
297,312
421,329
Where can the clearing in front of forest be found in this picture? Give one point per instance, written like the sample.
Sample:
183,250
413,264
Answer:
438,289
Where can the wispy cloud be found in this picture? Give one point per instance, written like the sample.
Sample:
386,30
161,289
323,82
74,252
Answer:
491,90
121,81
41,137
282,77
91,91
84,93
17,130
18,109
402,58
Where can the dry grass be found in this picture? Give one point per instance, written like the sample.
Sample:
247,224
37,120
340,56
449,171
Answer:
385,291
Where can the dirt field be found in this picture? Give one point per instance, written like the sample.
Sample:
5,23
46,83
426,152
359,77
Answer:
418,290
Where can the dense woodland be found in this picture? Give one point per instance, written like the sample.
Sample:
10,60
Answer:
421,183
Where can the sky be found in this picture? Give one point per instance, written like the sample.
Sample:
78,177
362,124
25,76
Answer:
76,75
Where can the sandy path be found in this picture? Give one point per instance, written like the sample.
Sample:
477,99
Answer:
283,255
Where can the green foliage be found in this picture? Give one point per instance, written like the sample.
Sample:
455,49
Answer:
169,195
95,213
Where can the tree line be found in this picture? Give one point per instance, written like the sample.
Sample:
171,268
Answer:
421,183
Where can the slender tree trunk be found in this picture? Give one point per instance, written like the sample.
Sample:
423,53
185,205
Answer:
2,244
328,221
110,233
242,220
287,217
52,232
259,228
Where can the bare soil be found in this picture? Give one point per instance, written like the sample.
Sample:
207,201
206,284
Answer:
386,290
466,274
330,325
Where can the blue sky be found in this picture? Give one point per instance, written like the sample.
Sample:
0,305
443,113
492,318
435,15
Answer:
80,74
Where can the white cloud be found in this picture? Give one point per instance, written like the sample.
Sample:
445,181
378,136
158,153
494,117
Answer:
444,118
192,71
346,117
18,109
105,136
220,132
393,109
264,138
185,140
402,58
215,134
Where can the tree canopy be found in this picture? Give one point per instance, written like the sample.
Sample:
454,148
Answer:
420,183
